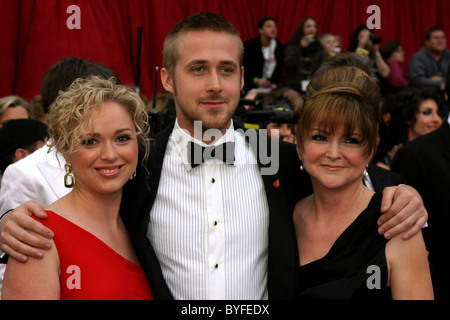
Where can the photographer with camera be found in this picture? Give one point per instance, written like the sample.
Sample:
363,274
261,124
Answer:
304,55
364,41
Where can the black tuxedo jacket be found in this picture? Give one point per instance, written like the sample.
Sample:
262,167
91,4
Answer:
425,164
282,189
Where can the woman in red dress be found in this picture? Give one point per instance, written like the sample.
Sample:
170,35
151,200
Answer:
98,127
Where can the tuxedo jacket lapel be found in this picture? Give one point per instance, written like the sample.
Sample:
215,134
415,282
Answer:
137,201
156,159
283,253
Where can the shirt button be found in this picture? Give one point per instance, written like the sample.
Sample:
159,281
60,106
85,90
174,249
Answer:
213,180
216,266
215,223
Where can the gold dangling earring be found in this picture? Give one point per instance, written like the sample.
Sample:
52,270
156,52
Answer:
69,176
133,176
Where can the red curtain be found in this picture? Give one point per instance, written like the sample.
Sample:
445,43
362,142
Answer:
34,34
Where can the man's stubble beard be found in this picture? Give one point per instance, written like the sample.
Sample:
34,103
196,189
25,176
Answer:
212,121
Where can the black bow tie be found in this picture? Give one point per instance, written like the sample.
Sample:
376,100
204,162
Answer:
197,154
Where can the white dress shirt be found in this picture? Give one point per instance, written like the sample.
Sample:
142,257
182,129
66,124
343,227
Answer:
270,62
209,224
38,177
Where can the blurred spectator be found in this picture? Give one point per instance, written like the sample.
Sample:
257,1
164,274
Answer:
37,110
428,66
393,53
264,57
364,41
304,55
13,107
414,112
331,44
19,138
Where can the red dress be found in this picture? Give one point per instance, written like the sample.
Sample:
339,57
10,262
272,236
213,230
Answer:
90,270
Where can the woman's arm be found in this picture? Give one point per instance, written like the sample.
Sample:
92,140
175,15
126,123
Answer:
35,279
409,270
383,68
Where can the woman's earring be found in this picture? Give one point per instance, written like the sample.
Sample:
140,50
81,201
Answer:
301,166
69,177
366,173
133,176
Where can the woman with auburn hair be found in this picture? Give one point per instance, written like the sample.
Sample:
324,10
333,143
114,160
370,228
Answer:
342,256
99,127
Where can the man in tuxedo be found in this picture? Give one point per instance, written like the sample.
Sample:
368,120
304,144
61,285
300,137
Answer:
209,223
425,164
220,229
242,257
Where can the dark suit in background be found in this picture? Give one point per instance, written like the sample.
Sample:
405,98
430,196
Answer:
425,164
382,178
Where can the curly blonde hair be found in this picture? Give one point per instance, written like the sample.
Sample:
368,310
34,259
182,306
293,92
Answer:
67,118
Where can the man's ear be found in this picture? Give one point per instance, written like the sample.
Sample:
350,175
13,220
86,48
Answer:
167,80
20,153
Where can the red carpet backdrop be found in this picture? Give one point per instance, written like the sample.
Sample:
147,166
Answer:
34,33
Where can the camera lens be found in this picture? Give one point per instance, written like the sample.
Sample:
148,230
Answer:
374,38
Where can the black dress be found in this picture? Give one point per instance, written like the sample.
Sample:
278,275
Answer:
355,267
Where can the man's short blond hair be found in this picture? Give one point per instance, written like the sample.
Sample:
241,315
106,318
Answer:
198,22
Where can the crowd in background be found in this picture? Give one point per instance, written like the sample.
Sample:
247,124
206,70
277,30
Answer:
412,99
